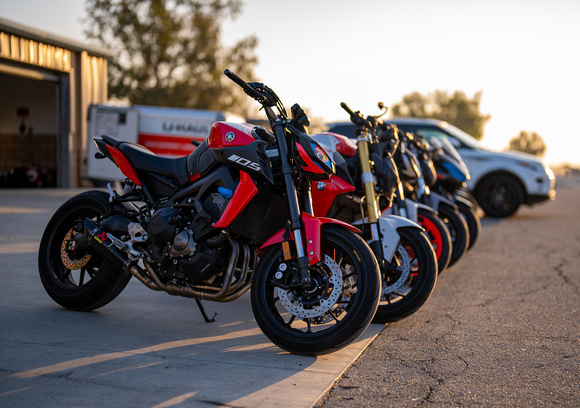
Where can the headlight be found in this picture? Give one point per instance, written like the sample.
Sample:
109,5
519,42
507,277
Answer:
537,167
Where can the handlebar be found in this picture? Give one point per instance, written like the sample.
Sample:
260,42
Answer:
356,117
253,89
261,93
235,78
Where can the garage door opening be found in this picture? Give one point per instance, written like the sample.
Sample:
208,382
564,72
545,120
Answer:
28,132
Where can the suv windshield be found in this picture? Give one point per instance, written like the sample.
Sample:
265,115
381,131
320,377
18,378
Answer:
465,138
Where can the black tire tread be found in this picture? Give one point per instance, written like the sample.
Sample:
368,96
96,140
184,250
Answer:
422,289
346,333
443,261
106,285
457,222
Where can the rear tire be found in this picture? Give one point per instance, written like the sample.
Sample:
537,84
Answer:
72,274
327,315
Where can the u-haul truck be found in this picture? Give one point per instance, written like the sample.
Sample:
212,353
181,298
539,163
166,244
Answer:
164,131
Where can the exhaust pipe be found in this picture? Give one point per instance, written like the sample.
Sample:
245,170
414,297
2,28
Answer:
99,240
103,245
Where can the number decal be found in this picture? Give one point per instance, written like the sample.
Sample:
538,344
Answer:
244,162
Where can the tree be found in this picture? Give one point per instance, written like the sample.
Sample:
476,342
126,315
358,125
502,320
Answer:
457,109
168,53
528,142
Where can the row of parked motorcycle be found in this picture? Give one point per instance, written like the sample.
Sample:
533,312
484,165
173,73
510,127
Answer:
327,233
400,175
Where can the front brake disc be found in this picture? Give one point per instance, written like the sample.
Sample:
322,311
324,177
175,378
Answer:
404,268
294,306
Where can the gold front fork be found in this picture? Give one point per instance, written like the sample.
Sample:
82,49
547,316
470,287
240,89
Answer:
367,177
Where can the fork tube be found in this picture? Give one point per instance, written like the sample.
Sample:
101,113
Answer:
292,198
368,180
367,177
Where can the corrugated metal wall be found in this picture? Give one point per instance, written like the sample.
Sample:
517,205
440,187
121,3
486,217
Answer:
81,74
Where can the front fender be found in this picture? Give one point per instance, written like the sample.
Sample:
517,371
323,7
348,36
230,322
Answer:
437,200
388,226
311,229
426,208
463,200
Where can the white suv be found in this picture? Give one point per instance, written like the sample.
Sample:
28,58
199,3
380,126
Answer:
500,181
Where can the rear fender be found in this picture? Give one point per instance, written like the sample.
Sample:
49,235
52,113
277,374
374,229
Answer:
311,229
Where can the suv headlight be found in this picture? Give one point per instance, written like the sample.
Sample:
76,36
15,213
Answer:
537,167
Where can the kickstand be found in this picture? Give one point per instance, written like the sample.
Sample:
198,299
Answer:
203,313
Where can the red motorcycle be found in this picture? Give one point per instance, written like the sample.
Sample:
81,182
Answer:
233,215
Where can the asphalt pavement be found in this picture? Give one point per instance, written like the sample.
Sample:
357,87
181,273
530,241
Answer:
145,348
501,329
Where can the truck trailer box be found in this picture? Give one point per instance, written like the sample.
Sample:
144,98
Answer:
165,131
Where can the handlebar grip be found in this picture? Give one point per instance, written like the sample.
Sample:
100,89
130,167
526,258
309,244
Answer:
249,88
235,78
346,108
356,117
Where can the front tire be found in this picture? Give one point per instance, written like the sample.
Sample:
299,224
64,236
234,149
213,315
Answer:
333,310
438,235
409,279
457,229
72,274
473,222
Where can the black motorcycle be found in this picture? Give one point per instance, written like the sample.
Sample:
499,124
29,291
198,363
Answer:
418,174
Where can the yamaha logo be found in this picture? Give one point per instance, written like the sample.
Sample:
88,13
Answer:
230,136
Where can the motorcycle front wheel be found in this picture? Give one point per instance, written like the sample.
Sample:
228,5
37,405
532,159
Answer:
410,277
473,222
72,274
438,235
328,313
457,229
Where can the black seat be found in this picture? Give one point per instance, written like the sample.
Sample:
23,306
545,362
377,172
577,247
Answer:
144,159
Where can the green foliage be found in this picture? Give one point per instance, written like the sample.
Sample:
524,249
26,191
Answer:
457,109
528,142
168,52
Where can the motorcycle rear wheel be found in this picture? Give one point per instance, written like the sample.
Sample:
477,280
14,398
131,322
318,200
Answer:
330,313
72,274
409,279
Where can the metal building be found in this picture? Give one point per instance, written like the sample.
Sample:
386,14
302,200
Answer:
47,83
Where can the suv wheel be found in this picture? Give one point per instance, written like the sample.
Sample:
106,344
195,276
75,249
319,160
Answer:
499,195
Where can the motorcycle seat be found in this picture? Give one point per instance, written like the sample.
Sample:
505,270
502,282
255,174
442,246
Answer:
145,160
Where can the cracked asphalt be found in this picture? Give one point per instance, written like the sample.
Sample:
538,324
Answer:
501,328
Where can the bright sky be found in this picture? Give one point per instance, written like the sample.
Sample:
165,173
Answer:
523,54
